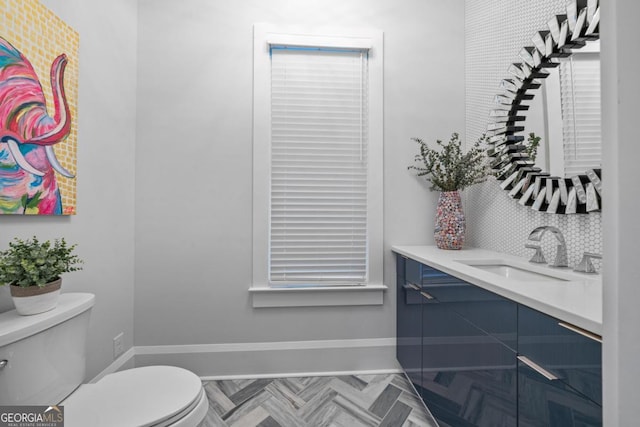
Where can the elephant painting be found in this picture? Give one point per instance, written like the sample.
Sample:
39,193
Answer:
28,164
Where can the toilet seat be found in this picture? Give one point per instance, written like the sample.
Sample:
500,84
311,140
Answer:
151,396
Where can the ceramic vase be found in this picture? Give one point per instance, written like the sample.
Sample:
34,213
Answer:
450,223
35,299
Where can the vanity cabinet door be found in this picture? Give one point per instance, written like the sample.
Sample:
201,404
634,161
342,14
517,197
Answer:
408,325
575,358
468,377
552,403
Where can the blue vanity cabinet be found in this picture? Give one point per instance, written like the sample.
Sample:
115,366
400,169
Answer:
560,377
481,356
408,325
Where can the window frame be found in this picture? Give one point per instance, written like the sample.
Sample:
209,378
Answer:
263,294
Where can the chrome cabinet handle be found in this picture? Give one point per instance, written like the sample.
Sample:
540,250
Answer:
418,288
426,295
539,369
3,363
581,331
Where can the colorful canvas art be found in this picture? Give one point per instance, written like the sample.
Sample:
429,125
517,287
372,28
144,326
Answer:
38,114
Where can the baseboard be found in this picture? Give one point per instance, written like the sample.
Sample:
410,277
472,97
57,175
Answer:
267,360
303,374
125,361
276,359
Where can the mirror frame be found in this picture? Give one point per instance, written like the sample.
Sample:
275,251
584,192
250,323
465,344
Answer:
512,165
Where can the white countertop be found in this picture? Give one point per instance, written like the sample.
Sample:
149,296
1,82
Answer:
577,301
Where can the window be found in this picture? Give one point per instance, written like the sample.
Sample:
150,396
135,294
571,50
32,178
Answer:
319,144
317,159
580,95
572,93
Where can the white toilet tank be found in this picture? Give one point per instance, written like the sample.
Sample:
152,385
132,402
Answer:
44,355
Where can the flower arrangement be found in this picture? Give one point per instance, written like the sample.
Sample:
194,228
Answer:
34,263
449,169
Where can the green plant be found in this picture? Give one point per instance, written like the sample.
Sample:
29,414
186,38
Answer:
34,263
449,169
533,142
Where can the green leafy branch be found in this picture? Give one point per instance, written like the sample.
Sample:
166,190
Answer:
449,168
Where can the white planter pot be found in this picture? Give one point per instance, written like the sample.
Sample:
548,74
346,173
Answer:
34,300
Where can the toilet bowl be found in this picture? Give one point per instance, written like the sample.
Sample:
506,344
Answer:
42,362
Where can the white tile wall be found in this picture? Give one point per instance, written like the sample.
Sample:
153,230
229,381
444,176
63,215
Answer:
495,31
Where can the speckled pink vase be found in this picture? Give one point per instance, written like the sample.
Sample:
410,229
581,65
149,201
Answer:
450,223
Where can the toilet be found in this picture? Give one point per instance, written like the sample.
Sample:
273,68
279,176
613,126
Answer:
42,362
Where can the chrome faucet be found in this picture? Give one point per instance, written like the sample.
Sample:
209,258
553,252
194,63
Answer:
561,252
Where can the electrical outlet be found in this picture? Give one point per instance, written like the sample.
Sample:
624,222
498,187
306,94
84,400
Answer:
118,345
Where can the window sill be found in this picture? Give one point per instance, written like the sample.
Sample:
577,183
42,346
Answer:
317,297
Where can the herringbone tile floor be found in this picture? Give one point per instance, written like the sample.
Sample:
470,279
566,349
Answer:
344,401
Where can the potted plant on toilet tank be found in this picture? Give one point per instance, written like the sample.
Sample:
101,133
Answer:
450,170
33,270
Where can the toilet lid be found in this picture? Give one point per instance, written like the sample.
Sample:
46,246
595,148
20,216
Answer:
147,396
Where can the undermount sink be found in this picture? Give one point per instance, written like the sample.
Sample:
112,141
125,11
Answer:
509,270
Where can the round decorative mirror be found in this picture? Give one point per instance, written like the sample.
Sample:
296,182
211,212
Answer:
567,49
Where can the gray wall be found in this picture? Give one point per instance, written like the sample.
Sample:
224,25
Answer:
104,225
194,160
496,30
621,91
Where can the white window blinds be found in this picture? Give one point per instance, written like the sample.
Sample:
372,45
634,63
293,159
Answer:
580,98
319,134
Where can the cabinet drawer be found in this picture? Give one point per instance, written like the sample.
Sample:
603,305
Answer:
495,315
552,403
574,358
